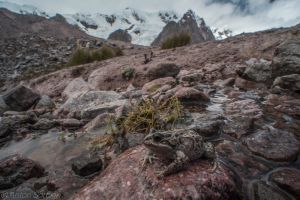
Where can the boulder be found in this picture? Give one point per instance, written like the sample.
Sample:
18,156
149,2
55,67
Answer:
157,83
290,82
93,103
87,164
288,180
16,169
20,98
120,35
274,144
163,70
247,85
98,122
191,95
286,59
258,70
75,88
44,124
70,123
124,178
45,103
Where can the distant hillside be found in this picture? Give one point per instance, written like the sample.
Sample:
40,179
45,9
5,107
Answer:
16,25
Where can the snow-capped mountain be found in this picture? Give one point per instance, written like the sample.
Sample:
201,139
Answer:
143,26
23,9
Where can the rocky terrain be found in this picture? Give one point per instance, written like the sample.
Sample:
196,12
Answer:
240,94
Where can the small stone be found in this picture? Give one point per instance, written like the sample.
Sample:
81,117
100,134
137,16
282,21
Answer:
87,164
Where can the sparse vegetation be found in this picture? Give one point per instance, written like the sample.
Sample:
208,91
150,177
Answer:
176,41
151,114
128,73
83,55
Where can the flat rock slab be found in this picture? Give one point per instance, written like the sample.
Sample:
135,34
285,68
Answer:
274,144
92,103
125,179
287,179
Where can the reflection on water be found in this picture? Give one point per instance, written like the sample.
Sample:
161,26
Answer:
217,102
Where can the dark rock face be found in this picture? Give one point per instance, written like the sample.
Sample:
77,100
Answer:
287,179
274,144
290,82
125,179
187,24
20,98
120,35
87,164
286,59
16,169
163,70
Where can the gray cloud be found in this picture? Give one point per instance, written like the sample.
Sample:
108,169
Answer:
255,15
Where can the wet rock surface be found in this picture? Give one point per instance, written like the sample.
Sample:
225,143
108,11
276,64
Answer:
287,179
17,169
274,144
134,183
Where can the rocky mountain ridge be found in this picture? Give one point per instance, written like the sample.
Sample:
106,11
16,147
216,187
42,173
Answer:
187,24
142,26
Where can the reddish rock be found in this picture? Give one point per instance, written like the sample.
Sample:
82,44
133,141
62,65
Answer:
242,115
157,83
125,179
247,85
287,179
163,70
274,144
191,95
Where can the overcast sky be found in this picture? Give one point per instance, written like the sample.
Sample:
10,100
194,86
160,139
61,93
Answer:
261,14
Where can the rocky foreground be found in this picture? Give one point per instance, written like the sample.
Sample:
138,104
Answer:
241,94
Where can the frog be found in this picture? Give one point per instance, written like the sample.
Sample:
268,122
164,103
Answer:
179,147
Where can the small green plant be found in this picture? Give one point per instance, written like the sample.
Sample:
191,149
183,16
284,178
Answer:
128,73
176,41
62,137
151,114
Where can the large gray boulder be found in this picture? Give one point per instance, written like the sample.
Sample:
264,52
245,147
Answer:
287,59
290,82
258,70
20,98
90,104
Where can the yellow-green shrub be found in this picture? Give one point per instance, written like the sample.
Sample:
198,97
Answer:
176,41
